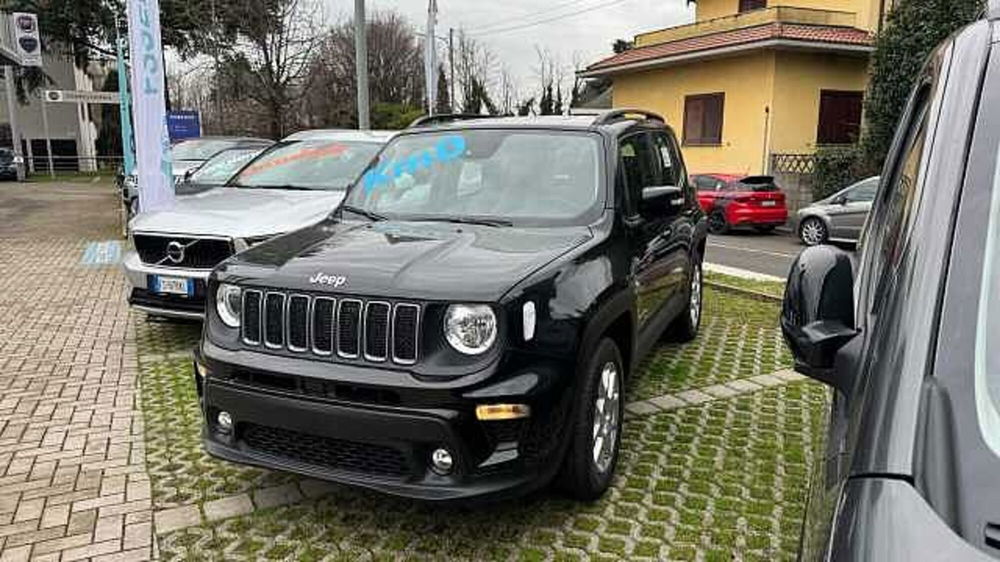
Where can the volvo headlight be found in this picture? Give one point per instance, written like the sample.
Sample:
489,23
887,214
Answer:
240,244
228,302
470,328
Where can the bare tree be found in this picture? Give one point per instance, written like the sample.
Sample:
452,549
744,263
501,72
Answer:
270,63
395,70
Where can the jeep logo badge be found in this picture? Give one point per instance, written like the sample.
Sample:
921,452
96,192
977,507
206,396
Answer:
175,252
335,281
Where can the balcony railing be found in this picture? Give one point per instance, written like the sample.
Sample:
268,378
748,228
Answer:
776,14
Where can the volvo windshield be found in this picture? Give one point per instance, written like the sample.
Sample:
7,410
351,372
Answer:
312,165
483,176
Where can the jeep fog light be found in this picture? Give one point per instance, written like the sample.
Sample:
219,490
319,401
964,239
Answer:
225,421
228,300
495,412
442,461
470,328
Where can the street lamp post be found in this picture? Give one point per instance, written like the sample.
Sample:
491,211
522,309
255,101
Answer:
361,63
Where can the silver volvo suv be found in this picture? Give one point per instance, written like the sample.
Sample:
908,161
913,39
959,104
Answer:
295,183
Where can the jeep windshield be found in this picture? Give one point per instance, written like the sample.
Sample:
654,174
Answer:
308,165
486,176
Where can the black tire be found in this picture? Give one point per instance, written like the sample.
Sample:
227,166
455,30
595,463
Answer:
813,231
717,223
582,477
765,228
685,327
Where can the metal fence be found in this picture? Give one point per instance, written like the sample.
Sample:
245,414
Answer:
41,164
793,164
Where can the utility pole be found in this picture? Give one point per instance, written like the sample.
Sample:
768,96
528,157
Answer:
361,63
451,62
15,131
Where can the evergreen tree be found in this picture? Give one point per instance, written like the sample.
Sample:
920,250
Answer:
912,30
443,93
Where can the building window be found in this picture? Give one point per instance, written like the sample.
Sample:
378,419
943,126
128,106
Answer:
748,5
839,117
703,118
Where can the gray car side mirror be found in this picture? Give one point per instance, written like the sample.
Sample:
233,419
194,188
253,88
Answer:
817,315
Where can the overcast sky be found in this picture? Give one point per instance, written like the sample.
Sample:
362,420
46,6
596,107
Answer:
572,30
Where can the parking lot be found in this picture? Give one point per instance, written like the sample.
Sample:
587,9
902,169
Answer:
101,456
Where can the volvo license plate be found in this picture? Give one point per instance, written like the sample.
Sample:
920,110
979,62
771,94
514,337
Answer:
173,285
768,203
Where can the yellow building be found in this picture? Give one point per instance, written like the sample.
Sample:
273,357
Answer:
752,78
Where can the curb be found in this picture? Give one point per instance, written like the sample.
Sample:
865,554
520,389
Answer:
757,295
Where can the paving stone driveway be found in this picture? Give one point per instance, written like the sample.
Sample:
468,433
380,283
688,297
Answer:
714,465
73,482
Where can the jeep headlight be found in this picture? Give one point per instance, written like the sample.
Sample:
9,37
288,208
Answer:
228,303
470,328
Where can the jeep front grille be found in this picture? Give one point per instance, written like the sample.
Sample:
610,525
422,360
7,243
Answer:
197,253
349,328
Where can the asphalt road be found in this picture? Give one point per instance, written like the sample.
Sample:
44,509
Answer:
769,254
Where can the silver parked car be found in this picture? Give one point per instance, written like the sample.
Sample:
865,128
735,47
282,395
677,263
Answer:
839,217
291,185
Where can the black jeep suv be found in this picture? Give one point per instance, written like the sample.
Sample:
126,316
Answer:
462,324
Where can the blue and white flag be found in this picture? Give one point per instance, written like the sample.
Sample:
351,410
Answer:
152,145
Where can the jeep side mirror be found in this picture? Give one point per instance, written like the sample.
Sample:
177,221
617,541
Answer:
817,316
661,198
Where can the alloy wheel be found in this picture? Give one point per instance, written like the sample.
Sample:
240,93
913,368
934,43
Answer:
694,305
813,232
716,223
606,421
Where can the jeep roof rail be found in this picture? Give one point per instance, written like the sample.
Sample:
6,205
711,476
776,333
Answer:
619,114
444,118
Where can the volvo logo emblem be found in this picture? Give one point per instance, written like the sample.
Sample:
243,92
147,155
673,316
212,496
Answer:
175,251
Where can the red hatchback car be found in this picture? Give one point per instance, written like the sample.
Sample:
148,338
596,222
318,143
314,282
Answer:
732,200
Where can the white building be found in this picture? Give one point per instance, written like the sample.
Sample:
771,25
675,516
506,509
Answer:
72,127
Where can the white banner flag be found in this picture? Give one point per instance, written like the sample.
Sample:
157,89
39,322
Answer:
152,144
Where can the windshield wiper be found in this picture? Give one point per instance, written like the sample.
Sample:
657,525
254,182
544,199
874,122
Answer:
281,186
485,221
375,217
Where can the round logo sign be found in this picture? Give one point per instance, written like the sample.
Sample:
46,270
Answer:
175,252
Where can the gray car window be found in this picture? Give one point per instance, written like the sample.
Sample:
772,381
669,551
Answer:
864,192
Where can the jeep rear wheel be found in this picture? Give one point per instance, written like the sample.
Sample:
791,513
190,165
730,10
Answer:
595,432
685,327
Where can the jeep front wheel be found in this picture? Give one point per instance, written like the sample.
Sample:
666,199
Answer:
596,426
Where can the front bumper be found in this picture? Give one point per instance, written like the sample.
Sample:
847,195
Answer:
382,437
143,296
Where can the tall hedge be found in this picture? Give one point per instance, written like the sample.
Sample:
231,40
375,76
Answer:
912,30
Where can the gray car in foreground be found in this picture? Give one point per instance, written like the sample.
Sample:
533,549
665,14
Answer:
293,184
905,333
839,217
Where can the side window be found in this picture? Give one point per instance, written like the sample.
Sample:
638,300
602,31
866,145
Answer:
637,168
670,170
864,193
896,205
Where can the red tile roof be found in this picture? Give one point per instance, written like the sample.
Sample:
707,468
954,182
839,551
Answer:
777,30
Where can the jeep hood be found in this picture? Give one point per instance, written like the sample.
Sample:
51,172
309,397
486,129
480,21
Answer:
410,260
240,212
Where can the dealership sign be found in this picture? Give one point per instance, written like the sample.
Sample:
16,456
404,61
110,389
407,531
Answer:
27,41
75,96
153,161
183,124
